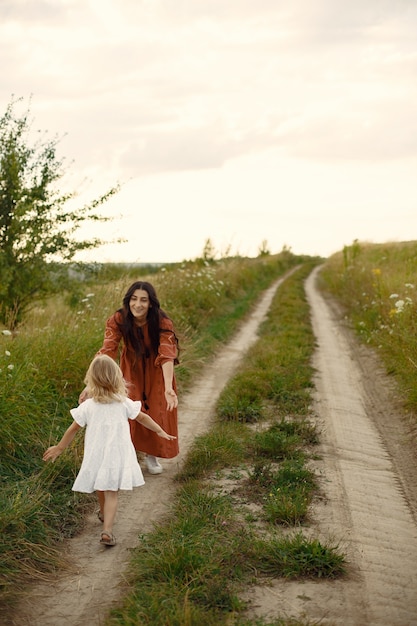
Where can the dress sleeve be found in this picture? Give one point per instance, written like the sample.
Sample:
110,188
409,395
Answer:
167,343
134,407
79,414
112,338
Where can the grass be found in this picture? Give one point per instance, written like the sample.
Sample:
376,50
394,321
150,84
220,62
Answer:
376,286
241,514
285,493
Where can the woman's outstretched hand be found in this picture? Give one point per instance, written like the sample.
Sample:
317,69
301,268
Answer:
83,396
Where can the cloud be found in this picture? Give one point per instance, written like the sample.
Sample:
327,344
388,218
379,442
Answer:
193,90
26,11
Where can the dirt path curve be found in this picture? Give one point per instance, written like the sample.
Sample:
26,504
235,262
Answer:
84,596
369,480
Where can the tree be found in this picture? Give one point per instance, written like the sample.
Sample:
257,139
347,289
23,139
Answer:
36,227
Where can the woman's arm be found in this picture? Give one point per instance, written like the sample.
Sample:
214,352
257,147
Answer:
170,395
54,451
111,342
112,337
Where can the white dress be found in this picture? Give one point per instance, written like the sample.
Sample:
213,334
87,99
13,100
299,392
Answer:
109,461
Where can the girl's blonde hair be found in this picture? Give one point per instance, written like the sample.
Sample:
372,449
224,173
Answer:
104,380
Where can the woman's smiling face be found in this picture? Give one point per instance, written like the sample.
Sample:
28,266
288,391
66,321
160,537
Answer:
139,305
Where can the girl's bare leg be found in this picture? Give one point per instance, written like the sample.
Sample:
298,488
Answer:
110,509
100,495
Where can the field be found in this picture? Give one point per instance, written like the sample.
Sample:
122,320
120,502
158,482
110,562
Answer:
42,374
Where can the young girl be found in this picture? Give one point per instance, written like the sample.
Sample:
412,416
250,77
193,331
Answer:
109,461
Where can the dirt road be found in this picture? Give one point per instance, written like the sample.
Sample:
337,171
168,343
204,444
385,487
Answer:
369,477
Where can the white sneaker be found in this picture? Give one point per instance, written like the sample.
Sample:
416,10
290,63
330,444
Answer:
152,464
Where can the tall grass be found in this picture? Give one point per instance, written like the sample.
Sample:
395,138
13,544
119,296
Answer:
41,374
377,287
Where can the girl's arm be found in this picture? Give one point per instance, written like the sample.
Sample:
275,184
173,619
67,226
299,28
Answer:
54,451
148,422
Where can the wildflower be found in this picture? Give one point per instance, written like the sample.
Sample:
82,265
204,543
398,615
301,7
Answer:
90,295
399,305
393,296
409,285
10,367
6,332
376,271
7,353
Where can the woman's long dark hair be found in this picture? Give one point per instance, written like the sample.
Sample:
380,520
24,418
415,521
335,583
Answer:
128,327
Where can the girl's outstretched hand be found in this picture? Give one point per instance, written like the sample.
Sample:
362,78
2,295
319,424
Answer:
165,435
51,453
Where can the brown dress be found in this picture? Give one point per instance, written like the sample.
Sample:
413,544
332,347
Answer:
146,383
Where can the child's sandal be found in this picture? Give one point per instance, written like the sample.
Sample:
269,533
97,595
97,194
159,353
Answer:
107,539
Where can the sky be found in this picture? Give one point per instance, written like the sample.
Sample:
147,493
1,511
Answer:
256,124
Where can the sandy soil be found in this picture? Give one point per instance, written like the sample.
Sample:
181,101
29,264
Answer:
369,478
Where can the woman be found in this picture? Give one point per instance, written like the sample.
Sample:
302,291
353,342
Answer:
148,355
